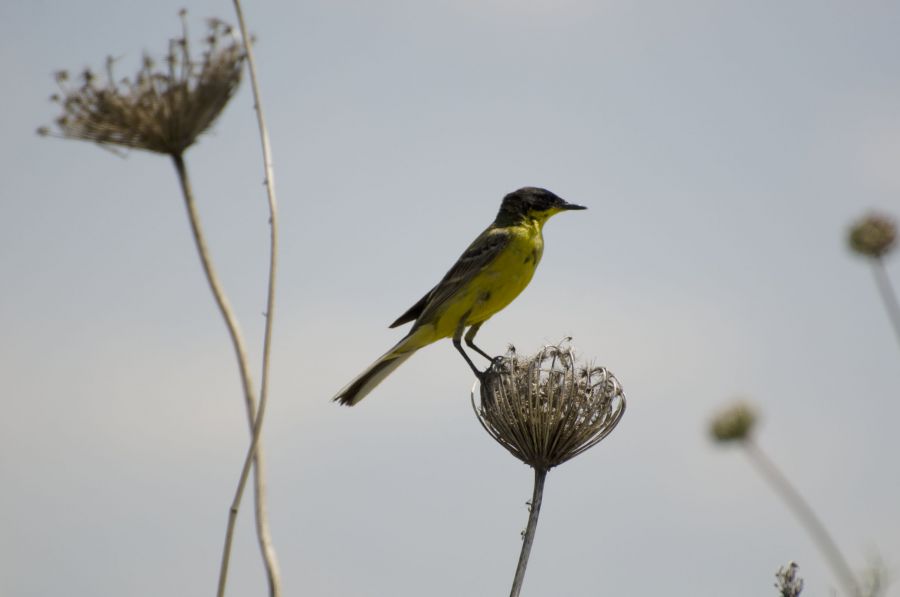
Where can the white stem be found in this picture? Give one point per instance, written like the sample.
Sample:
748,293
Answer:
254,451
804,513
887,294
528,539
237,341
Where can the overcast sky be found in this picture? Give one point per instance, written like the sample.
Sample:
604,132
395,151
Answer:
722,149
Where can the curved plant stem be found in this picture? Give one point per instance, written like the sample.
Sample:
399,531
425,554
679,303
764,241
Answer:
528,540
254,451
240,349
887,293
802,510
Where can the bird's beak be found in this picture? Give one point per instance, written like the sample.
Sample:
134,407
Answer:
566,206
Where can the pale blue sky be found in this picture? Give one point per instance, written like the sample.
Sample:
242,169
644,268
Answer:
722,149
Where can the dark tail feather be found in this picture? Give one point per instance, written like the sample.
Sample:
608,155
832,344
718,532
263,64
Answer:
366,381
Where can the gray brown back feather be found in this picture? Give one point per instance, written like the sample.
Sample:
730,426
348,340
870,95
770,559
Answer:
479,254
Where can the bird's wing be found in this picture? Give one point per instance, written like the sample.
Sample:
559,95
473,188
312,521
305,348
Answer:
481,252
413,312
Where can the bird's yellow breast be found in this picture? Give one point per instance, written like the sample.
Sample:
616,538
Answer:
498,283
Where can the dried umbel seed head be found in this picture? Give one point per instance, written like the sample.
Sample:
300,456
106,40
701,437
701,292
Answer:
788,583
734,423
164,108
873,236
546,409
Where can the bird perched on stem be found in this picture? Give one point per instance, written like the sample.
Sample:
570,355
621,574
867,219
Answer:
492,272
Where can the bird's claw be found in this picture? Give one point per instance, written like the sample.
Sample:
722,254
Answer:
496,363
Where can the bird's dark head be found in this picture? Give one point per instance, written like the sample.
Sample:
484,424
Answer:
532,203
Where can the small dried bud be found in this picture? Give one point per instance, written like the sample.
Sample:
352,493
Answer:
873,236
735,423
787,582
545,409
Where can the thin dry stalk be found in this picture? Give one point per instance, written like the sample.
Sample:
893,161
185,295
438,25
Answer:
888,295
534,510
254,451
804,513
875,236
240,349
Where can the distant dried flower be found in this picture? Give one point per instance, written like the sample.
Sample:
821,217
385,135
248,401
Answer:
873,235
164,110
546,409
734,423
787,582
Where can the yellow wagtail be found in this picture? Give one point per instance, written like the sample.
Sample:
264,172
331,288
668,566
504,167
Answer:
495,268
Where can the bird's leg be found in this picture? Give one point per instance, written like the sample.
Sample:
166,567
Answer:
470,341
457,337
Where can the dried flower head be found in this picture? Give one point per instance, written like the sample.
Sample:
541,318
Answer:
546,409
734,423
161,109
787,582
873,236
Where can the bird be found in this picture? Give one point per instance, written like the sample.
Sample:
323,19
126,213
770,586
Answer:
490,273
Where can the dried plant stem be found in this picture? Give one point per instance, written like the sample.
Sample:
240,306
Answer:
887,293
528,539
254,452
802,510
240,349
